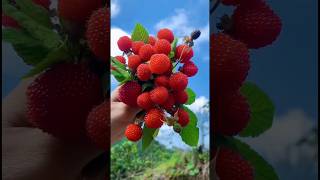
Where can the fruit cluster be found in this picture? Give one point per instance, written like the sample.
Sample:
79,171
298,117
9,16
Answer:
155,86
253,25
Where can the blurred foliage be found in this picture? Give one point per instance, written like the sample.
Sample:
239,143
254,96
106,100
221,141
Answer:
157,163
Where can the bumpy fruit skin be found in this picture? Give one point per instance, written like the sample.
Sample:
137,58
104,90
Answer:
136,45
189,69
159,63
168,105
152,40
169,72
178,81
133,132
162,81
143,72
146,51
165,34
162,46
78,11
124,43
180,97
184,53
59,100
134,61
144,101
8,21
230,62
183,117
256,24
154,118
99,42
231,166
97,125
232,114
159,95
129,92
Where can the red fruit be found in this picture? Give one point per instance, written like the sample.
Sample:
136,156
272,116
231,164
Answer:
159,95
183,117
184,53
159,63
129,92
162,81
169,72
134,61
165,34
256,24
136,45
231,115
124,43
168,105
8,21
189,69
162,46
180,97
144,101
146,51
154,118
78,11
59,100
178,81
230,61
44,3
99,42
133,132
231,166
152,40
143,72
121,59
97,125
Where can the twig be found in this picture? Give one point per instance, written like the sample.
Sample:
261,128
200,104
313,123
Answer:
215,6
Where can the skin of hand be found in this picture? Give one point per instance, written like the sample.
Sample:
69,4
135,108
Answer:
30,154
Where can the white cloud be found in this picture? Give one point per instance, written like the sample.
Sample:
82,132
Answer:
115,8
116,33
180,24
277,144
199,105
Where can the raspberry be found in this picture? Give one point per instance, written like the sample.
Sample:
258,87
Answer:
8,21
59,100
121,59
143,72
230,165
183,117
165,34
77,11
159,63
231,62
178,81
129,92
136,45
189,69
169,72
231,115
180,97
159,95
184,53
134,61
124,43
168,105
162,46
97,125
98,42
154,118
146,51
162,81
144,101
152,40
256,25
133,132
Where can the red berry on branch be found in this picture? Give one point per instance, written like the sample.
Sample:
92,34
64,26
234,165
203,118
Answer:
178,81
144,101
162,46
183,53
189,69
183,117
166,34
146,51
129,92
133,132
124,43
143,72
159,95
134,61
159,63
154,118
136,45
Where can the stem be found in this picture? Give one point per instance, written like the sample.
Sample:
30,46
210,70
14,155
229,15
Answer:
217,3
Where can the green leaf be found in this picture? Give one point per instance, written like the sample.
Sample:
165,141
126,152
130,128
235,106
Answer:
191,96
36,12
262,169
117,64
121,73
190,133
140,34
262,110
147,137
174,44
118,76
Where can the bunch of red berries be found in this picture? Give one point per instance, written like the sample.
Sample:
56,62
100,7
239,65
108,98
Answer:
154,85
252,25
